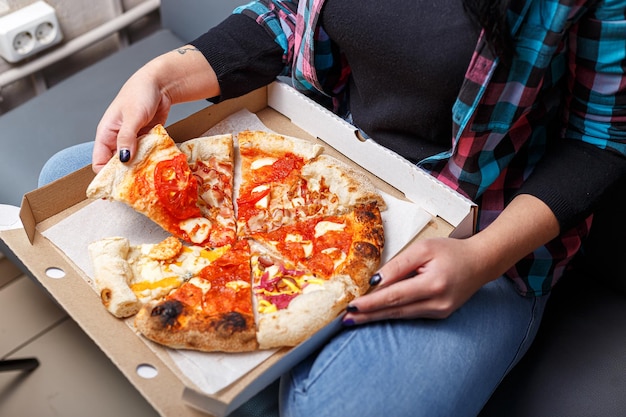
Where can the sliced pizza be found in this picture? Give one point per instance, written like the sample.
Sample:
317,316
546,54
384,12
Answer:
128,276
212,311
159,183
270,259
291,302
270,167
211,161
347,244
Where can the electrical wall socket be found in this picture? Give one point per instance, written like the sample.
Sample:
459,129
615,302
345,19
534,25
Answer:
28,30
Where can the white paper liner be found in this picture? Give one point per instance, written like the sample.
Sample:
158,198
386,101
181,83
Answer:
100,219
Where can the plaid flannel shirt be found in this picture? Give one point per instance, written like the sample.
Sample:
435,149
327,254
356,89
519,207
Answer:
499,130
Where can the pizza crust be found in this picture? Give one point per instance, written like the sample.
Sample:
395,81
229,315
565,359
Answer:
115,178
306,314
172,324
351,186
367,246
112,274
219,146
277,144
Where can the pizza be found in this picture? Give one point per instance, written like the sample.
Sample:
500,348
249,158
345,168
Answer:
261,264
128,276
175,187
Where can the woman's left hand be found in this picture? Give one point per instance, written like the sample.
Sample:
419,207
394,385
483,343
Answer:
431,278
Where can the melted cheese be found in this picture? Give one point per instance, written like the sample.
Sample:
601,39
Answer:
261,162
264,202
165,283
213,254
265,307
153,278
324,227
237,285
293,285
204,285
336,260
197,228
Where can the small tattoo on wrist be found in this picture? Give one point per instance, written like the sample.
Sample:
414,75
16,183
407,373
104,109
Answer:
183,51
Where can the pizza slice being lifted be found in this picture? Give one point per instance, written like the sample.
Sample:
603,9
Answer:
160,183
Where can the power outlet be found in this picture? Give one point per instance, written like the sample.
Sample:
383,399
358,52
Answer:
28,31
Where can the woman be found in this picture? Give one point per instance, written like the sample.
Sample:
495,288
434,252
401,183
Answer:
504,101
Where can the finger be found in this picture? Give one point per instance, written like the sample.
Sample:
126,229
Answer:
104,146
101,155
424,309
406,263
127,141
410,298
400,293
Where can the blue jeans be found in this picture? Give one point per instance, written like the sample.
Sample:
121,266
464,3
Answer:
65,162
418,368
396,368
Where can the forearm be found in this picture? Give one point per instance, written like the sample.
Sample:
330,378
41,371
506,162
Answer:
242,54
526,224
182,75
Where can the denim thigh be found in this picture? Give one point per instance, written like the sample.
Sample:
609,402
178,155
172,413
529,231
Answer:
65,162
417,367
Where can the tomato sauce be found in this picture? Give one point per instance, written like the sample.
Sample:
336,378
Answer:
231,267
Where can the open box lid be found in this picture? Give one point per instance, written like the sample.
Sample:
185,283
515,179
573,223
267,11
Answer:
285,111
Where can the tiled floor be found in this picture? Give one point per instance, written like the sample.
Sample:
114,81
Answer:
74,378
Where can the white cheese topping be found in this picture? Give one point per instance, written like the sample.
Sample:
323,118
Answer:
261,162
237,285
336,260
204,285
324,227
197,228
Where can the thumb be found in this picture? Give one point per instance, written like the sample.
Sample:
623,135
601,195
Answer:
127,141
406,263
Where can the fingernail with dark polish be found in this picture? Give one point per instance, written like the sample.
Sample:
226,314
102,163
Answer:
348,322
124,155
375,280
352,309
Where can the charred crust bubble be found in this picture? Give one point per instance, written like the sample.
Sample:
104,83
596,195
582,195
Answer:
370,215
365,214
366,250
168,312
231,323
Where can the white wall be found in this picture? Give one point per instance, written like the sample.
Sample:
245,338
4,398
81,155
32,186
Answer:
76,17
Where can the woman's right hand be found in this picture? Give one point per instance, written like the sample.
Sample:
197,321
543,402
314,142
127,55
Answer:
145,100
138,106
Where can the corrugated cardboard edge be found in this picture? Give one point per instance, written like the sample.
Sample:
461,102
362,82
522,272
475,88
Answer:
52,199
119,343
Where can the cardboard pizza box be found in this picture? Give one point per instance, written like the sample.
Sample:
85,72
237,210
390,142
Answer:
160,379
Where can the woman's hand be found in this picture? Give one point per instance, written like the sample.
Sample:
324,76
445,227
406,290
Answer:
139,106
432,278
145,100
